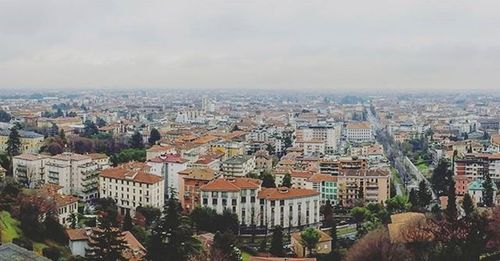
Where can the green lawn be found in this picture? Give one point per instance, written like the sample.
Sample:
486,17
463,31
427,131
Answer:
422,166
246,256
345,230
9,227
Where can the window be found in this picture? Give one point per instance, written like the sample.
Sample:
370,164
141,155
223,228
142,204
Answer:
243,199
214,201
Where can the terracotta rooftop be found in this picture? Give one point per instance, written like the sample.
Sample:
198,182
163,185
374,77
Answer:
322,177
370,172
77,234
358,125
231,184
158,148
198,173
52,191
67,156
132,172
286,193
169,158
300,174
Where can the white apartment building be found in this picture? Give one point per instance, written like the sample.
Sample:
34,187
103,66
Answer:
238,166
76,173
318,139
267,207
29,169
131,186
66,204
168,166
359,132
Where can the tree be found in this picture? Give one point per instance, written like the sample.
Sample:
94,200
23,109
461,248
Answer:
90,129
451,208
154,136
172,237
136,141
5,116
309,240
100,122
359,215
73,220
329,221
54,148
467,205
441,177
277,242
397,204
127,222
62,135
424,195
224,247
106,241
54,130
413,198
51,253
149,213
268,181
14,142
488,190
287,181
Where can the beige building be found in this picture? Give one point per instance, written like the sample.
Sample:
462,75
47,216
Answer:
370,186
359,132
31,142
238,166
324,244
131,186
66,204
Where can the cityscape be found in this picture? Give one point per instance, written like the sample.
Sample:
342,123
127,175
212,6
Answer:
249,130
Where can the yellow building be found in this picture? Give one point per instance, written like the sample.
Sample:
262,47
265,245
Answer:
30,141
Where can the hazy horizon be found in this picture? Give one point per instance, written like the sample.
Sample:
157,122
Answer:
322,46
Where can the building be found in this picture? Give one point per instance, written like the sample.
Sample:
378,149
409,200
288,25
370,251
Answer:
157,151
299,178
475,190
168,167
474,166
318,138
190,182
101,159
324,245
76,173
265,207
78,242
359,132
238,166
66,204
31,142
326,185
334,167
370,186
131,186
11,252
263,161
29,169
229,148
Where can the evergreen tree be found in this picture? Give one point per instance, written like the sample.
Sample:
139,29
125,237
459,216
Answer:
14,142
5,116
287,181
451,208
89,129
154,136
127,222
488,190
268,181
329,221
54,130
441,177
136,141
62,135
413,198
224,247
424,195
467,205
106,242
277,242
172,236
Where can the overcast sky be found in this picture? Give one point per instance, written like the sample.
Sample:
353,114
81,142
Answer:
269,44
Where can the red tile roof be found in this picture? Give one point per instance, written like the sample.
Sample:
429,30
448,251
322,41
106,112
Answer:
169,158
322,177
132,172
286,193
231,184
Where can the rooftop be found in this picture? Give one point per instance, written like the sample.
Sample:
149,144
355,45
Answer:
286,193
133,171
231,184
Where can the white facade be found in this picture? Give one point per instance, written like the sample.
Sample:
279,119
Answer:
131,188
29,169
267,207
168,166
359,132
238,166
